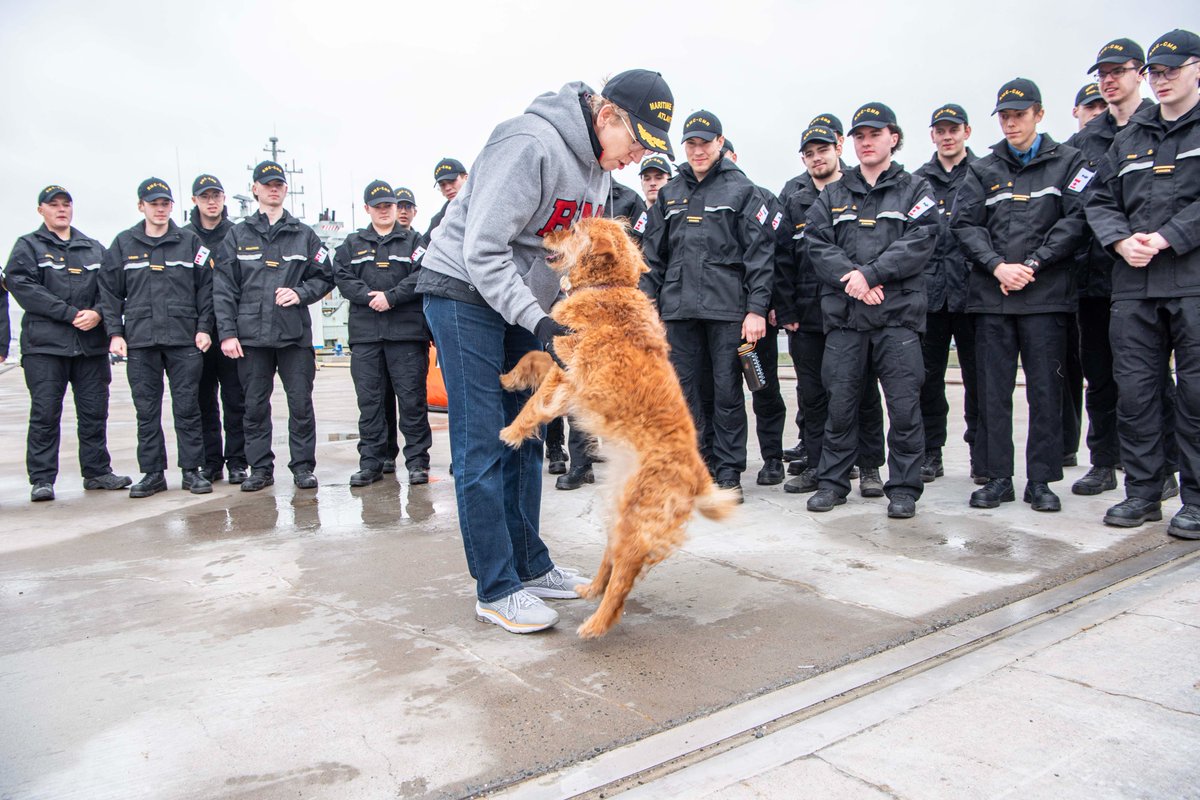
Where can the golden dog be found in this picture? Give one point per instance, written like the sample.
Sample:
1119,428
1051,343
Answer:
621,387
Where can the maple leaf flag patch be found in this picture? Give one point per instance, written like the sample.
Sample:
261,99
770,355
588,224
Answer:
416,254
1081,179
761,216
201,256
321,256
775,221
923,205
640,225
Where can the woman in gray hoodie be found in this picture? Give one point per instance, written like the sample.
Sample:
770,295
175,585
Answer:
487,293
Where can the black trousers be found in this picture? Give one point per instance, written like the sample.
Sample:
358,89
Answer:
404,366
770,412
182,366
1144,333
47,377
1072,404
296,366
808,356
391,420
940,326
579,442
896,356
1041,341
222,398
694,343
1096,358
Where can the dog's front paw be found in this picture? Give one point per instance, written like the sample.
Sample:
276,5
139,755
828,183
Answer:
592,628
511,436
589,591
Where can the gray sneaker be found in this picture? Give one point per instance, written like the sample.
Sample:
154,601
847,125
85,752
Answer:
557,584
519,612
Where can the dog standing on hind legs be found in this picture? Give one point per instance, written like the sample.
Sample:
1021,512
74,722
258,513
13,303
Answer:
620,385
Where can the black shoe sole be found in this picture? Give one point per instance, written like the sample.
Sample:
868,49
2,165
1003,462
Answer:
361,483
901,514
841,501
557,468
770,480
147,492
571,486
1008,498
1181,533
418,481
792,488
199,489
1133,522
1049,506
251,488
1091,489
44,499
870,492
237,481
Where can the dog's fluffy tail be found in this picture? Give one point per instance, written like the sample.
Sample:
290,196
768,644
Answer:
717,503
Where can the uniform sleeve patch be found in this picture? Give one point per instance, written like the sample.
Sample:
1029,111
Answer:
775,221
321,255
923,205
640,225
416,254
1081,179
201,256
761,216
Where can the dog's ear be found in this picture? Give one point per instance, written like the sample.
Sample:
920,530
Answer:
604,242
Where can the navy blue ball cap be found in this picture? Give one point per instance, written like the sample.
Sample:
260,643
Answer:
949,112
52,191
828,121
448,169
873,115
645,96
154,189
378,192
655,162
1017,95
728,146
1173,49
404,195
702,125
1118,51
818,133
269,172
1089,94
206,183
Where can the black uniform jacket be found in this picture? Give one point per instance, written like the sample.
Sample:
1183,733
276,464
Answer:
1093,264
1150,182
257,258
888,231
157,293
625,202
1008,213
210,238
367,262
709,246
5,331
946,273
53,281
797,295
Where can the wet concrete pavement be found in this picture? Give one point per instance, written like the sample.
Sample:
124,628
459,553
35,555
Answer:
323,645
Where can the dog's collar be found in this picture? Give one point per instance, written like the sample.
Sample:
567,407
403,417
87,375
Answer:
601,286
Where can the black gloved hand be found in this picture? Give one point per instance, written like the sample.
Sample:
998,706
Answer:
546,331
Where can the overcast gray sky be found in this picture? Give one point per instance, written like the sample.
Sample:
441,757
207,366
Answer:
99,95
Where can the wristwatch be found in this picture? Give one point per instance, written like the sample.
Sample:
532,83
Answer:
1032,263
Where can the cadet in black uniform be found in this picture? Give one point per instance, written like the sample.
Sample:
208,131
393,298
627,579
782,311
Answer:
1146,210
709,249
798,309
156,300
269,269
54,274
1020,221
869,236
830,123
374,271
449,176
406,214
946,290
221,392
1089,103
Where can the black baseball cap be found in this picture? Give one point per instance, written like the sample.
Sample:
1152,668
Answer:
205,183
1174,48
818,133
448,169
1118,51
1017,95
378,192
154,189
1089,94
702,125
873,115
655,162
645,96
404,195
269,172
52,191
829,121
728,146
949,112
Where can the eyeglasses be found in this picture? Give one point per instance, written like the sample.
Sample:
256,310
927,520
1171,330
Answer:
1116,73
636,144
1167,73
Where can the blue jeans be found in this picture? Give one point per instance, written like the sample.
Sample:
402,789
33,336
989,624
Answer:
498,489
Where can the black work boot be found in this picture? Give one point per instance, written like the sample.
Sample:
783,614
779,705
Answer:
931,467
797,453
304,479
1040,497
825,500
575,477
1097,480
212,474
258,480
803,483
151,483
418,476
993,493
1170,486
1186,522
389,466
902,506
365,477
1132,512
771,473
869,482
41,492
237,473
108,481
195,481
557,461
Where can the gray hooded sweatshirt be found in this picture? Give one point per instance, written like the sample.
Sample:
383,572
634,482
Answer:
537,173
